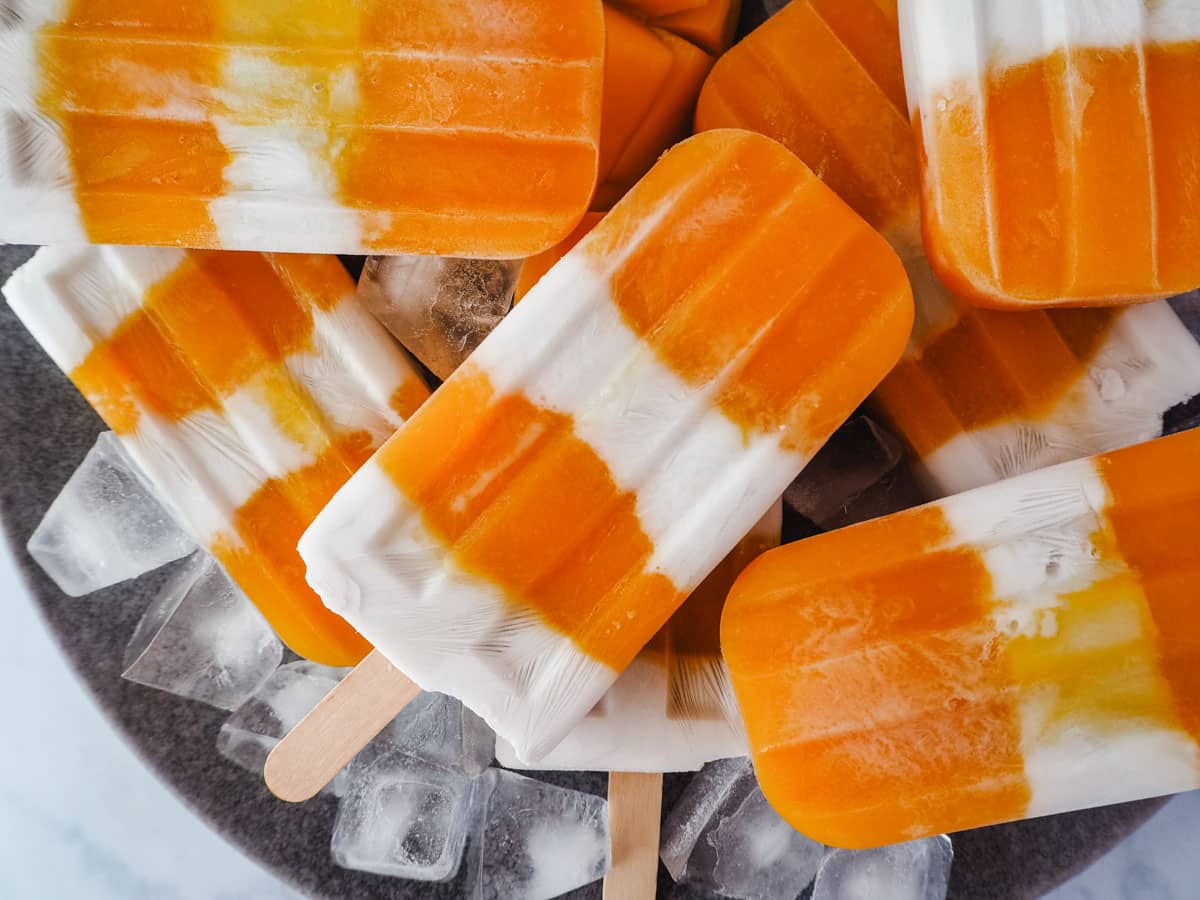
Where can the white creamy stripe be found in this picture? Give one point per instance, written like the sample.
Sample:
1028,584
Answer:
37,200
1148,363
1046,500
72,298
949,41
1122,764
630,731
353,370
699,482
371,560
278,193
201,468
279,186
30,15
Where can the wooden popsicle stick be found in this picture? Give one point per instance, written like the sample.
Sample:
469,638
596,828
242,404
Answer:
323,743
634,812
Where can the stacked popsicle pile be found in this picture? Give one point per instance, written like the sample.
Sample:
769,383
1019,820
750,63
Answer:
644,341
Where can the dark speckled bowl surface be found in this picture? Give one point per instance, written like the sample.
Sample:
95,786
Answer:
46,428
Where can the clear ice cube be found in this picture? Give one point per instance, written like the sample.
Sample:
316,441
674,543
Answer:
441,731
202,639
917,870
835,489
439,308
287,696
106,525
723,836
534,841
402,817
695,809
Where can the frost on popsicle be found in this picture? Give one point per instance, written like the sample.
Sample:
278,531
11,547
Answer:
202,639
722,836
106,525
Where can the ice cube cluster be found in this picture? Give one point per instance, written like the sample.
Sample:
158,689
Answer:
723,839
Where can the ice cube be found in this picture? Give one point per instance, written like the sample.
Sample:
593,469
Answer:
918,870
286,697
695,810
202,639
106,525
441,731
1186,415
844,483
533,840
403,817
723,836
439,308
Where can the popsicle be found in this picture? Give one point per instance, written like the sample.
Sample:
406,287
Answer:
533,527
458,128
1058,147
980,395
247,386
651,81
672,710
1022,649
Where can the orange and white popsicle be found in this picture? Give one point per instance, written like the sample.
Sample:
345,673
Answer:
461,127
247,386
1026,648
672,710
533,527
1058,147
980,395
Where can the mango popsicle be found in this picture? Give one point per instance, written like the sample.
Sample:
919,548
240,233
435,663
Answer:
979,395
526,534
1057,147
1022,649
711,24
247,386
460,128
672,710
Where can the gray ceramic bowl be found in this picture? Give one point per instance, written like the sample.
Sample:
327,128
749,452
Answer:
46,428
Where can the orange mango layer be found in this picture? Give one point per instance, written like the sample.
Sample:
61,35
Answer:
1079,186
651,80
575,555
710,24
219,322
890,691
455,128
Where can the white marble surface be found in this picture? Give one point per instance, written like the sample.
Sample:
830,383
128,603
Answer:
80,817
